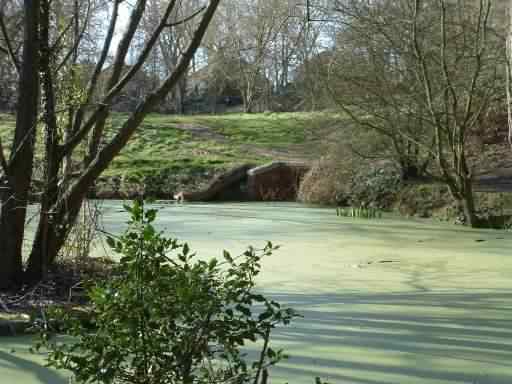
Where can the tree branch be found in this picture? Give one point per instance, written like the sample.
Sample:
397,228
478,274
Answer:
116,71
70,201
76,43
116,88
91,86
186,19
62,34
8,45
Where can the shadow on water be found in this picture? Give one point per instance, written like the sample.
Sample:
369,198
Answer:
416,337
26,369
364,338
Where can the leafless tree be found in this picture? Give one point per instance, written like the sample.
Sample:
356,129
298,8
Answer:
423,74
251,47
44,54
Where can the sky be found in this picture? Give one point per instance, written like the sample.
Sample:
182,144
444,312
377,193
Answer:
124,14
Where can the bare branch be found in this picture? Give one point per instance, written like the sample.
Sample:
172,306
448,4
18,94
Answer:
76,43
8,45
91,86
79,189
186,19
118,87
62,34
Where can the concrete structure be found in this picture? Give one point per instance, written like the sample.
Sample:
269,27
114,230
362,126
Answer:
277,181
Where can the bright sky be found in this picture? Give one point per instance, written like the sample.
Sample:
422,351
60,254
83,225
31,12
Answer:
123,18
122,21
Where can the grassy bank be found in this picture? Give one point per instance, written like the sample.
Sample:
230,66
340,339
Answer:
172,152
201,143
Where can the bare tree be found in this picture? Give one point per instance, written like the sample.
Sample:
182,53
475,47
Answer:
244,35
62,198
173,42
423,74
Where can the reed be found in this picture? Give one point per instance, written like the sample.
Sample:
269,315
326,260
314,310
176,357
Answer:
359,212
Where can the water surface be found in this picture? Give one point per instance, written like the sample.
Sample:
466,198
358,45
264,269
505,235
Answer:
384,301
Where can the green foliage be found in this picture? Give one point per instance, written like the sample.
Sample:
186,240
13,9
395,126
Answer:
168,317
377,184
275,130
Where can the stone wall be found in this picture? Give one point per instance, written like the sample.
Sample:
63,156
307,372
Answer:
277,181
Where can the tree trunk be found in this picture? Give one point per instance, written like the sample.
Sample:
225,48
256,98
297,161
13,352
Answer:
509,74
11,226
462,192
248,101
468,204
67,208
178,97
468,207
67,162
40,257
117,71
14,199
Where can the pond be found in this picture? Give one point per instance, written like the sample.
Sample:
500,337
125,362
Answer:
384,301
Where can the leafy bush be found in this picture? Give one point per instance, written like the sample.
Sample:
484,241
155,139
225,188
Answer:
426,200
335,181
168,317
378,185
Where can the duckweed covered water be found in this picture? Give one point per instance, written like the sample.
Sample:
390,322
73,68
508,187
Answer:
386,301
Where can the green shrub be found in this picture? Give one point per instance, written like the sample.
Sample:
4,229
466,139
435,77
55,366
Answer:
168,317
378,184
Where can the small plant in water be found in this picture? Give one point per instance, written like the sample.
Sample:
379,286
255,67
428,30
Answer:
168,317
359,212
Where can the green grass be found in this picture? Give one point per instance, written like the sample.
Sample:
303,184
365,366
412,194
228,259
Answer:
7,124
270,129
160,148
16,316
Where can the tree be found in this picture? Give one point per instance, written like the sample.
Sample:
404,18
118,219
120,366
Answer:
9,19
318,37
172,43
18,170
244,36
423,74
62,196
